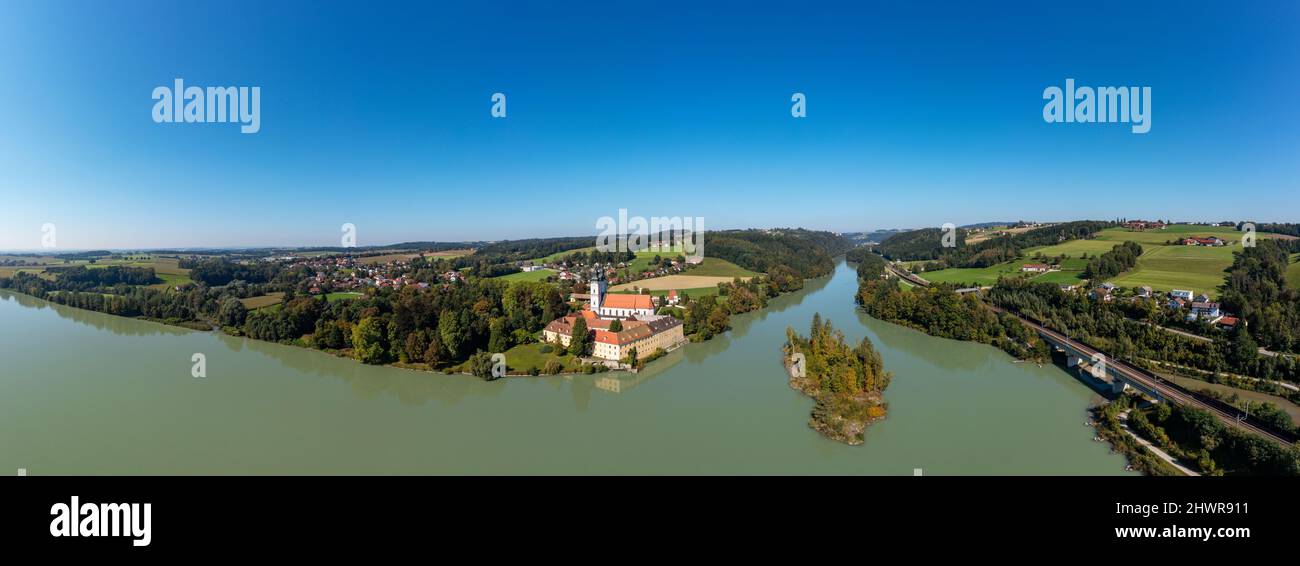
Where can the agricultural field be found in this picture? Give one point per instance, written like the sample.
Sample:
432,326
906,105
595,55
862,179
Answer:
669,282
717,267
1163,267
538,275
1194,268
10,271
342,295
693,293
262,301
557,255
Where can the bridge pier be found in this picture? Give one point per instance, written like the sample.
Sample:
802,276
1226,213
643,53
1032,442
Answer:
1117,386
1073,361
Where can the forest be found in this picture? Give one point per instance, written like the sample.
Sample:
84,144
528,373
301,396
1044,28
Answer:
926,244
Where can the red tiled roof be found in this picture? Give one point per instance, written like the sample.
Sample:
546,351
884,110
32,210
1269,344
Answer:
622,301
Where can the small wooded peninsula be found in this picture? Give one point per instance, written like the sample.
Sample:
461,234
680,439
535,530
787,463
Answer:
847,383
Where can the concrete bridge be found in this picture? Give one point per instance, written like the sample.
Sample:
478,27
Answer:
1122,376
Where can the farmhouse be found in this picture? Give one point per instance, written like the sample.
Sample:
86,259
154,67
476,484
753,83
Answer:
1140,225
1181,294
1211,241
1035,268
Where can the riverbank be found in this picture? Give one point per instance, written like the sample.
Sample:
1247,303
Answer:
722,406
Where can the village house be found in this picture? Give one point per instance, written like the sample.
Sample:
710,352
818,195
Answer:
1181,294
1035,268
1211,241
1144,225
1207,311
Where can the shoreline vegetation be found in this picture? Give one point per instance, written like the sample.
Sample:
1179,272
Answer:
435,311
846,383
1128,330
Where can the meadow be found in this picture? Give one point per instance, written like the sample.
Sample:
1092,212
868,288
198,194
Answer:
1161,266
262,301
539,275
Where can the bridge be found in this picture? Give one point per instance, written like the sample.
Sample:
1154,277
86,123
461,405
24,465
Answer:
1121,375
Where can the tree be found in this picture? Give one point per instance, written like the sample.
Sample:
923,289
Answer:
480,364
578,339
631,356
368,341
718,321
616,326
232,313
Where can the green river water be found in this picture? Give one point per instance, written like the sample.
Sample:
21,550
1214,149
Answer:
88,393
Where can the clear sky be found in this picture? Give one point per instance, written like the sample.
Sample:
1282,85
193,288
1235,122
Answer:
918,113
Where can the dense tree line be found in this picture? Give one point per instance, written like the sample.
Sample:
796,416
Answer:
80,277
870,265
1257,290
217,271
927,244
940,311
805,253
1119,259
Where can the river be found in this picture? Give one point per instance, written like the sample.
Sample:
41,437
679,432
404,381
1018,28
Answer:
88,393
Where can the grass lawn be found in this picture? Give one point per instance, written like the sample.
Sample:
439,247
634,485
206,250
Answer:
261,301
524,357
1293,271
342,295
538,275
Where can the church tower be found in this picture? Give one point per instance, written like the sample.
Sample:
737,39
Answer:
598,286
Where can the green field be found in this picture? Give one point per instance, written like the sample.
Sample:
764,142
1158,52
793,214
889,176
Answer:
262,301
1163,267
342,295
1193,268
524,357
973,275
557,255
1293,271
538,275
717,267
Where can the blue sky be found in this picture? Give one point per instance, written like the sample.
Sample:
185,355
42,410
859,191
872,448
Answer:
919,113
